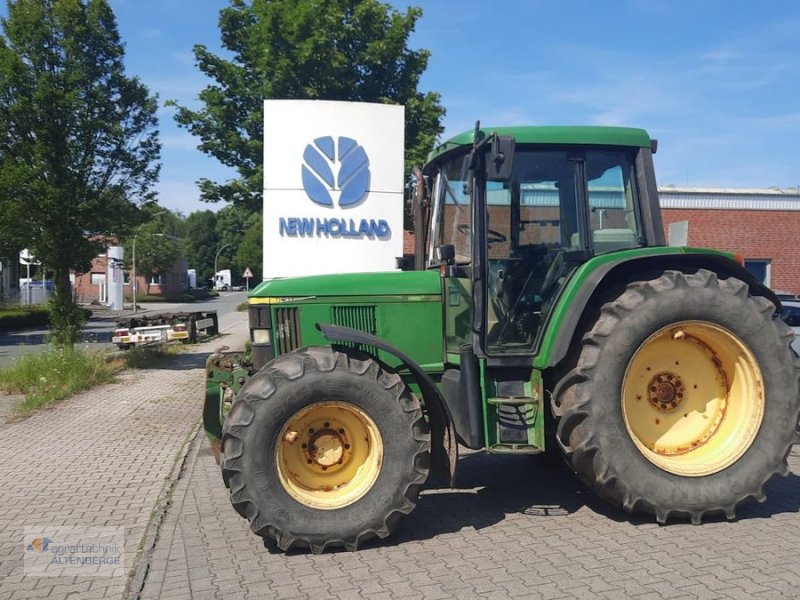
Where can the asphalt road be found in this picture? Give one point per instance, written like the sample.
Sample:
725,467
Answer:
97,332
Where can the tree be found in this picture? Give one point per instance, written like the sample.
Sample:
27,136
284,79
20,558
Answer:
250,251
79,147
232,223
202,242
158,245
304,49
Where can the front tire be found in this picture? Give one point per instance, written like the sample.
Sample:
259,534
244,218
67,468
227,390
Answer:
684,400
322,448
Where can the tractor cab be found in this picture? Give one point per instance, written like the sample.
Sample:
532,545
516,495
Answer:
521,234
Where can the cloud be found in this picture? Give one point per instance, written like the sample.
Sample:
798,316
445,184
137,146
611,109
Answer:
184,57
179,141
183,197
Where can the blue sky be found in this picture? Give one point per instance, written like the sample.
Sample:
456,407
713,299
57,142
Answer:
717,82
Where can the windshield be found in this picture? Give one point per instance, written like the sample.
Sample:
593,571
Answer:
537,218
452,211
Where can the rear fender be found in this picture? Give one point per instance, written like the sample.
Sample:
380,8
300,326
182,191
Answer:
609,279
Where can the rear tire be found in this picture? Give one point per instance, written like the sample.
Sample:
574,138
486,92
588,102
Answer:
649,432
324,449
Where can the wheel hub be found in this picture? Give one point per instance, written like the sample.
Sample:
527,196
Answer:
693,398
329,454
326,448
666,391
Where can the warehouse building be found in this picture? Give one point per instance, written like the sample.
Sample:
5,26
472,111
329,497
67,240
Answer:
761,225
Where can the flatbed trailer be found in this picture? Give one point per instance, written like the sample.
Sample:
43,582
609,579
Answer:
164,328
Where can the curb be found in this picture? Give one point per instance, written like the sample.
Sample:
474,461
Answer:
144,554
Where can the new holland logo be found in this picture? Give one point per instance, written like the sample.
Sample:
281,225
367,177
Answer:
335,172
351,183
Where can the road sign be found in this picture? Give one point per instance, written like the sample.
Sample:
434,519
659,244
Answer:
247,273
26,258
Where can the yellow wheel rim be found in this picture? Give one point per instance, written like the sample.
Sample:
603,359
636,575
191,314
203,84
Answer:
693,398
329,455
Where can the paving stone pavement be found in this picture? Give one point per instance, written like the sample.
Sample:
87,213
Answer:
516,527
101,458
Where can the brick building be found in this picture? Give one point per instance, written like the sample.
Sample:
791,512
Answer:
762,225
89,287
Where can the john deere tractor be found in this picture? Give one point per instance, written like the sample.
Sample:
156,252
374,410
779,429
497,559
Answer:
544,312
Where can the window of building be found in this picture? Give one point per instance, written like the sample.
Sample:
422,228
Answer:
98,278
156,280
759,268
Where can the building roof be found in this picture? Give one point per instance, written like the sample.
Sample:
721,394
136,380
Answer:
787,199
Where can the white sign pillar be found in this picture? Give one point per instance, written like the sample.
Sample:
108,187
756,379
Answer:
115,278
333,187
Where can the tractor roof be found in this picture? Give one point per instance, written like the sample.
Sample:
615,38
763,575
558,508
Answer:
583,135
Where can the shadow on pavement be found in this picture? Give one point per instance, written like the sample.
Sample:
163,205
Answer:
490,488
180,362
22,339
95,331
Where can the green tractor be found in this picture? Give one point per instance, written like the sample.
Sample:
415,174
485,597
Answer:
544,311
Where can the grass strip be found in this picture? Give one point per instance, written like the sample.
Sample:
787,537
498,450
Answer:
45,378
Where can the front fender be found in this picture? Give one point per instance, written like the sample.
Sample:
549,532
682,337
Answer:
444,447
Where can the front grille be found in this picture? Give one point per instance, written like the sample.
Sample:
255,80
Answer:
287,329
361,318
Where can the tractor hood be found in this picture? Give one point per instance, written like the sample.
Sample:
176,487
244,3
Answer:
392,283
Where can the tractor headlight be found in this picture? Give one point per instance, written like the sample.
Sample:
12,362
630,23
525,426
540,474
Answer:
261,336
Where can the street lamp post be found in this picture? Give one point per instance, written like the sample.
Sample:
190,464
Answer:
133,257
221,248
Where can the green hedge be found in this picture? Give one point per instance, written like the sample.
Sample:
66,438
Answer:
22,318
27,318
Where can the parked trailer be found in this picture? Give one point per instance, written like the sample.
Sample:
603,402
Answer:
164,328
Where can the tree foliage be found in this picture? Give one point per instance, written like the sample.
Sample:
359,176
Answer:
159,245
232,223
201,244
79,147
250,251
304,49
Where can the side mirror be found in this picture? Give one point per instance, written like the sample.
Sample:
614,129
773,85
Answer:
446,254
500,162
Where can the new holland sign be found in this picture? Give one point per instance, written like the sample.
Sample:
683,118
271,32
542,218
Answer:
333,187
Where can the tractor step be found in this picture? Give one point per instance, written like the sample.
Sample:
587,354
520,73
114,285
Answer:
513,400
513,449
514,410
